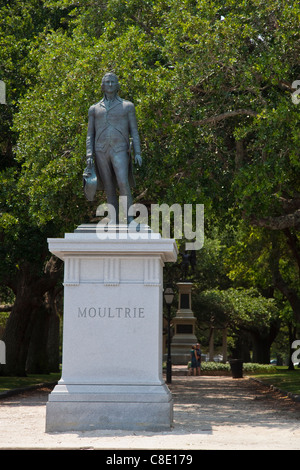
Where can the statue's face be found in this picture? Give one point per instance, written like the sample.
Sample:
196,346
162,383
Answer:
110,84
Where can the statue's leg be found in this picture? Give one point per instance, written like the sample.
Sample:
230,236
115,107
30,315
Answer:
120,162
106,171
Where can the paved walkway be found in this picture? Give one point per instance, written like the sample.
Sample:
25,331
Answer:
209,413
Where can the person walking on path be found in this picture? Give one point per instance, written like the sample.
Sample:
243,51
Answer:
193,360
198,359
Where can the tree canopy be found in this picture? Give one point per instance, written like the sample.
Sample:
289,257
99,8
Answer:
212,82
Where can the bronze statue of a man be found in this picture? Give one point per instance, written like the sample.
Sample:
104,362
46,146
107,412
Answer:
111,123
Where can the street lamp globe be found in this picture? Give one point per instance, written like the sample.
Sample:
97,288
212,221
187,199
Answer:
168,295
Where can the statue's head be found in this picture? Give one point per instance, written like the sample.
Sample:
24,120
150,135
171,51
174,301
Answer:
110,82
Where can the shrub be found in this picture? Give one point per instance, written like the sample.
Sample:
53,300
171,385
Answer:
252,368
248,367
214,366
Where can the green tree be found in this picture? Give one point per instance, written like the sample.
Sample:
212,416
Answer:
21,28
23,249
243,310
212,85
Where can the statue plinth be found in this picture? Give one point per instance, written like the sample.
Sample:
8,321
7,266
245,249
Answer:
112,351
184,324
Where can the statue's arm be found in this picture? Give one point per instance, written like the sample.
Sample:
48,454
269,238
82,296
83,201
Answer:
90,138
133,128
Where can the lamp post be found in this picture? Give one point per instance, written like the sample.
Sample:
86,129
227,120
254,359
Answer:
169,296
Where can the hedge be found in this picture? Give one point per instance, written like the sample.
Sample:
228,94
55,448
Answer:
248,368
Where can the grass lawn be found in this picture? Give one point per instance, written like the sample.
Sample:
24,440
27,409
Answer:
9,383
286,380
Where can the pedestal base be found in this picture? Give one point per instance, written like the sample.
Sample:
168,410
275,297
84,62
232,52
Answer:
85,408
112,348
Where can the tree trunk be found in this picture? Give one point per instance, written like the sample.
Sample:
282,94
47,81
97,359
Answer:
261,349
18,327
54,343
44,349
37,358
241,349
29,289
54,336
262,342
289,292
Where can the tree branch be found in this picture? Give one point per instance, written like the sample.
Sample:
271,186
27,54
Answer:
291,204
278,223
228,114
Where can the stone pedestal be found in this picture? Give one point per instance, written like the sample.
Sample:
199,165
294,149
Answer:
112,351
184,326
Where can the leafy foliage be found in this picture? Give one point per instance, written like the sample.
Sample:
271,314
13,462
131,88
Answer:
242,308
248,368
212,84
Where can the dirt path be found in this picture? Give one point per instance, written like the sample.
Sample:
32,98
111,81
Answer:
209,413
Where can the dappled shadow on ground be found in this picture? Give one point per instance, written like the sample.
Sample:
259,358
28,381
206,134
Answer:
203,402
201,406
28,398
